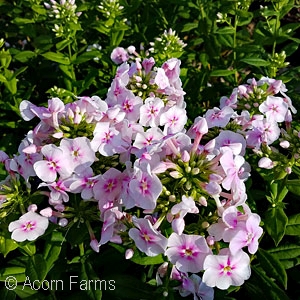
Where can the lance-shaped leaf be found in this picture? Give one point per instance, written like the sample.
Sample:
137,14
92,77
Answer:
272,266
288,254
36,269
91,283
270,288
275,222
293,225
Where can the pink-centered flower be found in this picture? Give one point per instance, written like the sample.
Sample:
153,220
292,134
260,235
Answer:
78,153
225,270
29,227
150,112
263,131
146,238
274,108
145,187
247,235
107,140
236,170
108,186
53,163
187,252
83,183
217,117
173,119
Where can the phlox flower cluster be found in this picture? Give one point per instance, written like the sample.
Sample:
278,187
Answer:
153,185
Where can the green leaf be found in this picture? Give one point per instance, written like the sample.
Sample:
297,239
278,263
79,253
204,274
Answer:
17,272
275,223
294,186
28,248
36,269
222,72
296,40
288,254
90,282
117,37
62,44
24,56
22,21
89,55
225,30
24,291
129,287
140,259
52,249
189,26
272,266
57,57
7,245
2,78
257,62
293,225
270,288
7,294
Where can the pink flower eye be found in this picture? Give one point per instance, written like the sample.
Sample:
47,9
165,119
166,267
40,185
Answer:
29,225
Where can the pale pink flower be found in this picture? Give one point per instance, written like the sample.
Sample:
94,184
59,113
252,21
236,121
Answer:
235,141
115,91
236,170
119,55
48,115
130,104
274,108
225,270
108,186
187,252
172,69
23,163
150,112
217,117
111,218
29,227
147,138
145,187
58,192
53,163
146,238
107,140
179,210
78,153
263,132
173,119
83,183
231,101
161,79
247,235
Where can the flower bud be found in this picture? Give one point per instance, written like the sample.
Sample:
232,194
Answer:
129,253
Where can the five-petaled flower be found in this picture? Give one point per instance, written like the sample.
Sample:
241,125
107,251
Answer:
29,227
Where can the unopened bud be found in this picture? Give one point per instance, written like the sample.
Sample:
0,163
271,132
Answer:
129,253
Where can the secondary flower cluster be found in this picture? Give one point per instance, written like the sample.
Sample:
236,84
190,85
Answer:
154,185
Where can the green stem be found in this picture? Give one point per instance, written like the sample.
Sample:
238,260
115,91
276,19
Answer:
72,88
234,44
